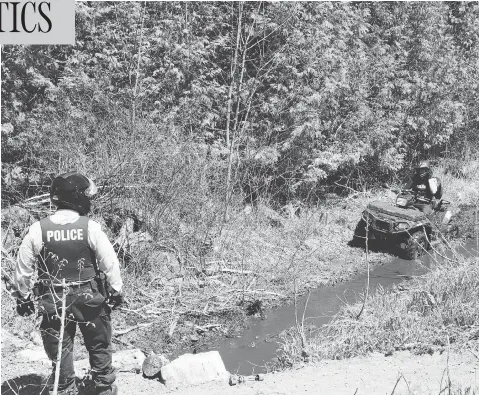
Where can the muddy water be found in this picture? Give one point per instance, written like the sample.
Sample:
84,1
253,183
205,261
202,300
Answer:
258,344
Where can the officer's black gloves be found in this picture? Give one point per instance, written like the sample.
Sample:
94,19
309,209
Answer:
116,299
25,307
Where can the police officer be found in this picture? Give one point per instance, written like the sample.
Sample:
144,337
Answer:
428,189
68,247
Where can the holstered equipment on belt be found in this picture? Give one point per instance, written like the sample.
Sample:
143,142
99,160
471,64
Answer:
41,287
100,279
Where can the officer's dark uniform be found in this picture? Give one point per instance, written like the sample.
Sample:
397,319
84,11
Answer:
66,255
64,248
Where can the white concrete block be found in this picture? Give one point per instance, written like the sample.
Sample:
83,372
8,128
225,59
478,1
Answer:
193,369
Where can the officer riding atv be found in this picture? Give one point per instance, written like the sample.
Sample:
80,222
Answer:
411,224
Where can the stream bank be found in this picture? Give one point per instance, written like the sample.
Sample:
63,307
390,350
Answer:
172,317
255,351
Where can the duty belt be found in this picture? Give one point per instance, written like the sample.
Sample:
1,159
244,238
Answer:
43,285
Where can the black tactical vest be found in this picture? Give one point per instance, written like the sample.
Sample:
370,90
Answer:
66,252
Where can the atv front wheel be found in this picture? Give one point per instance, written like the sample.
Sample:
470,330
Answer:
359,237
416,244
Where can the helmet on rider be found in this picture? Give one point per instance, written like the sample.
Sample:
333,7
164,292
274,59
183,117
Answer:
423,170
73,191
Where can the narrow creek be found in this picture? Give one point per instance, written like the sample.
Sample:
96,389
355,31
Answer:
249,352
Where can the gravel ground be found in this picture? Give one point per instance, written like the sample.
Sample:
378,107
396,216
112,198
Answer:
401,373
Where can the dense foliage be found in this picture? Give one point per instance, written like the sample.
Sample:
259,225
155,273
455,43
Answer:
183,111
189,102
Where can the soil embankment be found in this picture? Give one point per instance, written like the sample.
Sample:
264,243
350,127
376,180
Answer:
177,303
313,249
401,373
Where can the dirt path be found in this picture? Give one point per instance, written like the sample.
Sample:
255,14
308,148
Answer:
401,373
375,374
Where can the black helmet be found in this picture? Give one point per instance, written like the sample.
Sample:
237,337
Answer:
73,191
423,169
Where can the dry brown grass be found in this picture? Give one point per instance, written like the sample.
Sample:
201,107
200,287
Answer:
254,262
431,312
460,187
423,315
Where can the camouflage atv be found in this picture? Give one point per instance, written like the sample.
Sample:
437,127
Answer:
401,225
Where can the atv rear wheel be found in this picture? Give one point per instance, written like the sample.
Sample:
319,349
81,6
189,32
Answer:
415,244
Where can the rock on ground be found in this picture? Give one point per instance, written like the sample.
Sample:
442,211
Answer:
123,361
35,355
194,369
153,363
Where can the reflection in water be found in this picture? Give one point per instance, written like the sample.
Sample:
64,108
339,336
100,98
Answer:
258,344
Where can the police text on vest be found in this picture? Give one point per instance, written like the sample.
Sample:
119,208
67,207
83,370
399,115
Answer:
65,235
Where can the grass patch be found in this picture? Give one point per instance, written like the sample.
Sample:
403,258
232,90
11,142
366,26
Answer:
425,315
253,263
252,266
460,181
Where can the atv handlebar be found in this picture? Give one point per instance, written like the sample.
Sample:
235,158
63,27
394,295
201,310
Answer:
440,202
423,200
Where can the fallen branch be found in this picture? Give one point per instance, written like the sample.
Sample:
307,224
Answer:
216,281
35,203
173,324
145,306
346,187
133,311
256,291
238,271
473,353
132,328
205,328
37,197
265,292
206,307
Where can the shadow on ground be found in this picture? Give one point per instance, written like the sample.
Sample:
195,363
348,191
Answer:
33,384
30,384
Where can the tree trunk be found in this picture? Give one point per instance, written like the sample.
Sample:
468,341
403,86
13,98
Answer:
138,63
229,141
